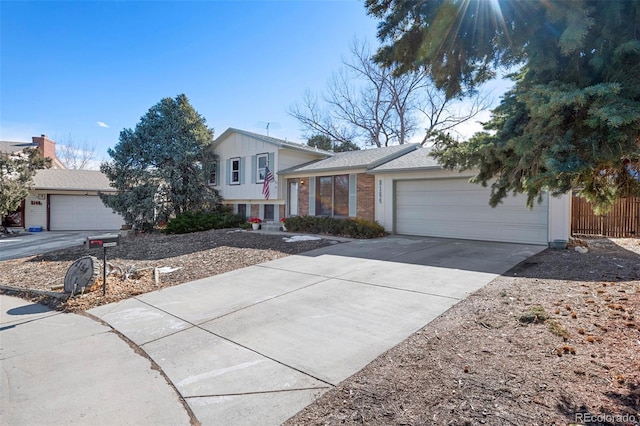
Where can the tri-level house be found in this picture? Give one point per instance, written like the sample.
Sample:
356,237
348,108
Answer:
402,187
244,158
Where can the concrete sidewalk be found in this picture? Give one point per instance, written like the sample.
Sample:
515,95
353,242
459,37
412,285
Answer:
69,369
256,345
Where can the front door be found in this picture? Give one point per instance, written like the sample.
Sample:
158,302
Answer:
293,198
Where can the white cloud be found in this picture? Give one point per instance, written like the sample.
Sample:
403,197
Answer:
102,124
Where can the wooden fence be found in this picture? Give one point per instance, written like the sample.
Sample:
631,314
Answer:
622,221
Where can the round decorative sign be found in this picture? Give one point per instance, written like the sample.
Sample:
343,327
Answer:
82,273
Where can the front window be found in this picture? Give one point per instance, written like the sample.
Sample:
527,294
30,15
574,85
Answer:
269,212
262,163
332,195
235,171
242,210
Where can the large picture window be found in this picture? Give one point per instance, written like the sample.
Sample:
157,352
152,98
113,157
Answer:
332,195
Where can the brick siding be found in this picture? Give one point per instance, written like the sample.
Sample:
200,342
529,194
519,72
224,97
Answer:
366,196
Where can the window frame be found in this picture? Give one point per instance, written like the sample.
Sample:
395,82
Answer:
265,155
231,172
332,207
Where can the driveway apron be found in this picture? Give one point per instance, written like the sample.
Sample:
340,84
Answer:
256,345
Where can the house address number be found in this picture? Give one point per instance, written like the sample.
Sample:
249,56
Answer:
36,202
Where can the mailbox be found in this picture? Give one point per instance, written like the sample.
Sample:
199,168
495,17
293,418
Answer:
102,241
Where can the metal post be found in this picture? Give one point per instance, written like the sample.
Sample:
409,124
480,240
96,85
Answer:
104,271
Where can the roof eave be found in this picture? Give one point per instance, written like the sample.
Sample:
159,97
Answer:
404,169
346,170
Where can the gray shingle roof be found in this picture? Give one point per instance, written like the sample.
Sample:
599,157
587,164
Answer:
274,141
81,180
363,159
414,160
9,147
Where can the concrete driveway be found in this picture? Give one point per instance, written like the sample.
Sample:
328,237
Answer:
31,244
256,345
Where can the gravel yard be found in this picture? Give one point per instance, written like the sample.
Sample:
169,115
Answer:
198,255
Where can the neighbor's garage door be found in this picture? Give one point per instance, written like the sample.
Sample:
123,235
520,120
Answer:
81,213
455,208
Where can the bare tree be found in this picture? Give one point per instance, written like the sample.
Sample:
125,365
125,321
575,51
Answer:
76,155
369,104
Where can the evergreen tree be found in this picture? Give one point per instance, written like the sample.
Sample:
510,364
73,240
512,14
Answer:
161,168
16,177
572,118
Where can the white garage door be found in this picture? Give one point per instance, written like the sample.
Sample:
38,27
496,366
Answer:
81,213
455,208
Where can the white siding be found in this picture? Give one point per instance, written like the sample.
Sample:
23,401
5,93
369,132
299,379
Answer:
238,145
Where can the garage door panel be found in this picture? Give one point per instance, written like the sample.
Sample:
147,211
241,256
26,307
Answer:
455,208
81,213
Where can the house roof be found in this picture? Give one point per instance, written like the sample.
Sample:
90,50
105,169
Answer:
72,180
364,159
9,147
417,159
274,141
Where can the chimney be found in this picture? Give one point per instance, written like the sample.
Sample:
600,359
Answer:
46,146
47,149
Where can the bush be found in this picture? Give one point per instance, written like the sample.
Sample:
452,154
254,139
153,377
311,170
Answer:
351,227
196,222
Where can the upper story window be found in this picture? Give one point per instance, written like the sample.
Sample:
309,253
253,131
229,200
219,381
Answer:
213,176
262,163
235,171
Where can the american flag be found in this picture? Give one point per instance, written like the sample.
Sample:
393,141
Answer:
268,178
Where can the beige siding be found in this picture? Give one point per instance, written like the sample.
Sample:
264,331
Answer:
35,211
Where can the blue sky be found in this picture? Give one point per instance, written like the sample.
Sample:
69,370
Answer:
67,66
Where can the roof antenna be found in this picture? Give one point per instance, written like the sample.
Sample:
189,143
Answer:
268,128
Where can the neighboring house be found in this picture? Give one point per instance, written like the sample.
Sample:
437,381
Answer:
240,170
61,199
67,200
45,146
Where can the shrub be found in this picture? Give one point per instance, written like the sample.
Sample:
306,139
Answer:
195,222
351,227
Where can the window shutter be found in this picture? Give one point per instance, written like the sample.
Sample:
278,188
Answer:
254,167
218,165
353,206
228,172
312,196
272,163
241,170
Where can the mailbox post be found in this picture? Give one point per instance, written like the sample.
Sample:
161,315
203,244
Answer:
104,241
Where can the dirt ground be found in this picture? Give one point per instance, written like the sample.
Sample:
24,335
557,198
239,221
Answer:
554,341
